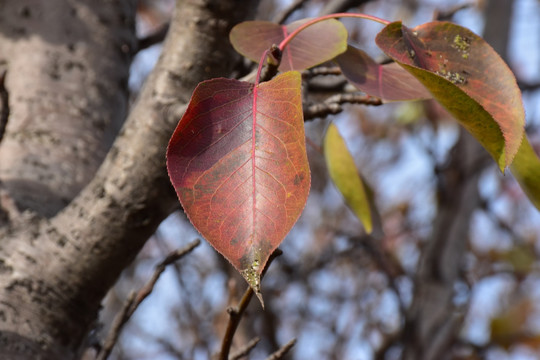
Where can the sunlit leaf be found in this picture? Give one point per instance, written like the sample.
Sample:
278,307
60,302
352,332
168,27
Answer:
526,170
345,176
316,44
238,162
388,82
466,76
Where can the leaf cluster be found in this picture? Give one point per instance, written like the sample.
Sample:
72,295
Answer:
237,158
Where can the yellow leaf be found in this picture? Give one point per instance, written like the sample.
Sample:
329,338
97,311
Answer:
345,176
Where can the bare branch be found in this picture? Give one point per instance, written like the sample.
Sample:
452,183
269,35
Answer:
118,324
135,299
447,15
338,6
333,105
246,349
283,351
524,86
235,313
321,71
281,17
111,219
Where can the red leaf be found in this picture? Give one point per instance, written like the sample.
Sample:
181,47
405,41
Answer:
466,76
388,82
316,44
238,162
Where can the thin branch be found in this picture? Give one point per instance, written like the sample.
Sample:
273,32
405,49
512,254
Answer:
136,298
391,269
284,15
447,15
246,349
524,86
338,6
333,105
4,104
235,313
321,71
154,38
283,351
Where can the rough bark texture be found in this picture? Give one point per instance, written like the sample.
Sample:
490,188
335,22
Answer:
67,67
433,321
68,100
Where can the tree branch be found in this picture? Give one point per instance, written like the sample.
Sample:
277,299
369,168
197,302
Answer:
337,6
432,320
136,298
279,354
100,232
235,313
284,15
333,105
245,350
4,104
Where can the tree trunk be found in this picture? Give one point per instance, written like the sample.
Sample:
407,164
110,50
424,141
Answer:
66,230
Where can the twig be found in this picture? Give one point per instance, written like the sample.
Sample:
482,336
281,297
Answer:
235,313
390,268
136,298
246,349
154,38
338,6
283,351
4,104
523,86
321,70
449,14
332,105
281,17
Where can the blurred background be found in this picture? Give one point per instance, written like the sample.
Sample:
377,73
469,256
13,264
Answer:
343,294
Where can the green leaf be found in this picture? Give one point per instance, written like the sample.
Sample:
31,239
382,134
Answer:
345,176
526,170
316,44
467,77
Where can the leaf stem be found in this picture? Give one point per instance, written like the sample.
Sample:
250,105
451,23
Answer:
259,69
288,39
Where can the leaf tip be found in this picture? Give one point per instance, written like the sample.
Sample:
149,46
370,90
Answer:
253,278
368,226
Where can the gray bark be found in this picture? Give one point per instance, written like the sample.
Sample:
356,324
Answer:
67,64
